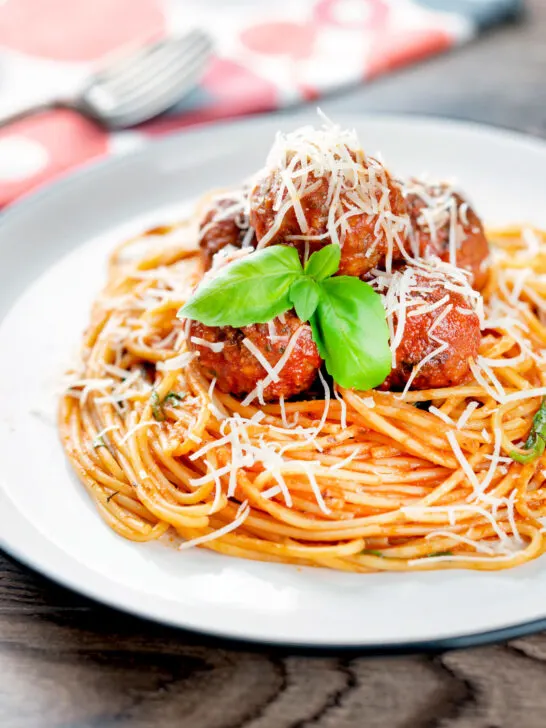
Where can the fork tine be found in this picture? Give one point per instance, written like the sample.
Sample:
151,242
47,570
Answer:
176,65
144,66
128,60
175,75
121,64
147,83
148,109
168,91
153,63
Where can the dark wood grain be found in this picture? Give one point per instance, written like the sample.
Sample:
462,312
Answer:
68,663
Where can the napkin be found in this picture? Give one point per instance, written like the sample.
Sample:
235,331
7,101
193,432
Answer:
268,55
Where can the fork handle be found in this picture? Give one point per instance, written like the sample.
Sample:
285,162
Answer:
18,112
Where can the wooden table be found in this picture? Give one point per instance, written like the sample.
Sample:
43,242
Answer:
65,662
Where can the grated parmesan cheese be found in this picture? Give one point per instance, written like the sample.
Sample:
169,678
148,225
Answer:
215,346
441,415
467,413
343,408
261,359
240,518
139,426
305,159
276,370
177,362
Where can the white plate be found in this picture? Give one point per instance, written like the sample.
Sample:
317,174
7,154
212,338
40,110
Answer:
53,248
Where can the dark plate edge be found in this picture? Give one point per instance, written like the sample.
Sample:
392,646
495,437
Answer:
218,640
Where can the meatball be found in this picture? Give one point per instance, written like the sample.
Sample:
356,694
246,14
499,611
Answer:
434,209
225,223
238,370
368,217
436,319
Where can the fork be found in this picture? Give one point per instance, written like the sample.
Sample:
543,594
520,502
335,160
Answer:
136,87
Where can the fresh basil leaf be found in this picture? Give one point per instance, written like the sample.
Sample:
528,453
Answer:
536,441
173,398
156,405
324,262
533,452
304,295
351,333
252,290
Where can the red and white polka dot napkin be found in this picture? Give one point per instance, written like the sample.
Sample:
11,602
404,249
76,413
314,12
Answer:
268,55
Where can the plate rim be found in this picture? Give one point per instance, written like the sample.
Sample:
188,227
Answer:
24,205
97,165
220,638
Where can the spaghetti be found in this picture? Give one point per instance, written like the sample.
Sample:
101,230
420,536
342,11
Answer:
357,481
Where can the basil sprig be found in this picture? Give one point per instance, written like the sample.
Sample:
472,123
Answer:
252,290
351,333
346,315
157,404
536,440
